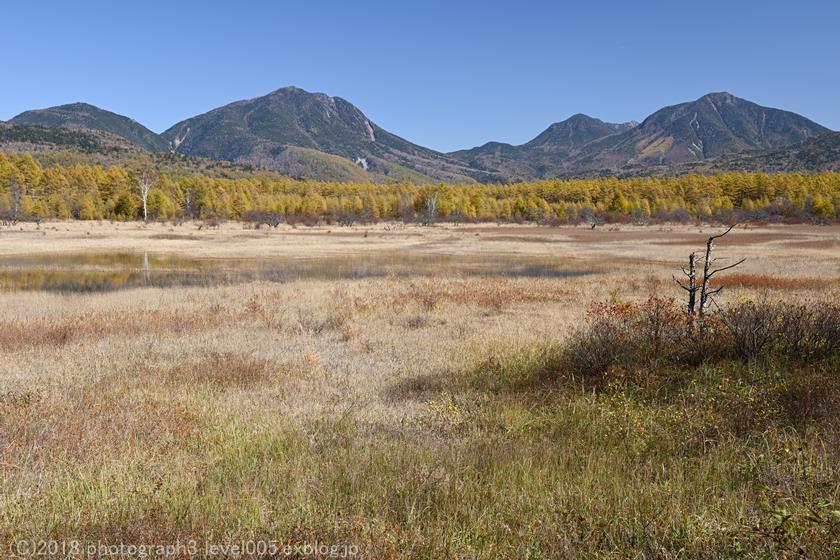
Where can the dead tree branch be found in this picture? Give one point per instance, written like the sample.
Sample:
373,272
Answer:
706,291
691,288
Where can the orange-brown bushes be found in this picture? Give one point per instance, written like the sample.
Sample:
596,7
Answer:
17,334
494,293
633,336
765,281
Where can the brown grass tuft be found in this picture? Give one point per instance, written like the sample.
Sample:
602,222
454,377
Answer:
15,335
43,431
493,293
416,322
226,370
310,360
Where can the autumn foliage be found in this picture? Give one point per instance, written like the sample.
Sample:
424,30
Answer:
91,192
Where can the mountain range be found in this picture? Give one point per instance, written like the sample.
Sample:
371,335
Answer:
313,135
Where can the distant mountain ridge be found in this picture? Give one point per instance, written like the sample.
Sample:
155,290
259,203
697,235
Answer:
314,135
540,156
714,125
576,131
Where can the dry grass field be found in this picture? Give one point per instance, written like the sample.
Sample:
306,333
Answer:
400,414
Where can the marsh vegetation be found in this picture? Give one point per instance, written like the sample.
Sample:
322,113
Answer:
428,415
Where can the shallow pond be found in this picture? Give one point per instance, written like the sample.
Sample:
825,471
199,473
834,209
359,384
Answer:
114,271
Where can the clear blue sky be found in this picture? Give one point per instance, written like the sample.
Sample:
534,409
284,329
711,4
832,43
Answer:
447,75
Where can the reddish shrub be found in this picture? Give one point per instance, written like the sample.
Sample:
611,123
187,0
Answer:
633,336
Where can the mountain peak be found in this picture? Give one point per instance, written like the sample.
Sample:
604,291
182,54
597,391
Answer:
287,90
580,117
271,129
721,96
80,115
294,90
78,105
574,132
715,124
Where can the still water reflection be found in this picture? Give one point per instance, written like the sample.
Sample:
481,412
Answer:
114,271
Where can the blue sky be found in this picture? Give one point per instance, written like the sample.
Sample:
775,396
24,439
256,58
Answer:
447,75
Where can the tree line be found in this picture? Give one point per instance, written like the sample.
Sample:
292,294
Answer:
29,190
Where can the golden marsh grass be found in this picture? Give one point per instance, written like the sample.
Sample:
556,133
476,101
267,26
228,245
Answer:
400,413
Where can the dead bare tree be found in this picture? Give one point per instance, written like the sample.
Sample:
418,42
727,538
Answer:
188,203
15,189
707,293
589,217
431,209
144,185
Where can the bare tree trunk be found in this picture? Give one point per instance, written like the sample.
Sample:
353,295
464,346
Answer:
431,209
692,282
707,264
145,186
188,204
705,292
691,288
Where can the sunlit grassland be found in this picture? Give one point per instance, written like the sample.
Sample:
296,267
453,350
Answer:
415,417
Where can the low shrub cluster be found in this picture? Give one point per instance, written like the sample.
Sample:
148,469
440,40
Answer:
657,333
794,331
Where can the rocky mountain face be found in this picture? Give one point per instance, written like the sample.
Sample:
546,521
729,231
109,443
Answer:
819,153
